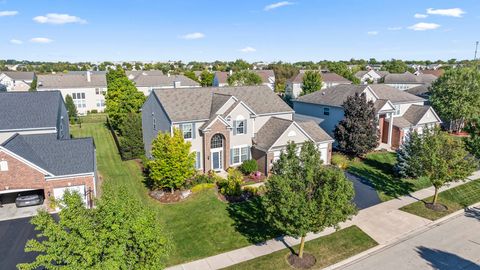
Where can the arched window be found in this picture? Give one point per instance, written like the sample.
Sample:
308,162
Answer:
217,141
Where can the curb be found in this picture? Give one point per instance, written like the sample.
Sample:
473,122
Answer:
377,249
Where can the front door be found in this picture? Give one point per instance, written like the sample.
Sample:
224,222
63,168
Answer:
217,160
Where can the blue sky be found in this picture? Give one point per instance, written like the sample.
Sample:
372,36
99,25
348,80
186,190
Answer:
206,30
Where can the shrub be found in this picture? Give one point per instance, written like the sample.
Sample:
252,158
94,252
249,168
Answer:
93,111
232,185
340,161
249,166
203,186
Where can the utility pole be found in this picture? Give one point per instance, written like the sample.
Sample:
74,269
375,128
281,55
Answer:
476,49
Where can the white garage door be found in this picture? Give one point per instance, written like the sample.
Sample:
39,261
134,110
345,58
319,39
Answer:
324,154
58,192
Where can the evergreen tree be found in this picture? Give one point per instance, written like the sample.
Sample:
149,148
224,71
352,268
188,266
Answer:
172,162
33,85
357,133
407,157
131,141
303,196
312,81
244,78
71,108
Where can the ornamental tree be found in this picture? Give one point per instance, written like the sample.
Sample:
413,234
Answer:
120,233
172,162
303,196
244,78
357,133
455,96
312,81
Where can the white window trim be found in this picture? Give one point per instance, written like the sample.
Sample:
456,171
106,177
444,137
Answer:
240,147
191,131
3,166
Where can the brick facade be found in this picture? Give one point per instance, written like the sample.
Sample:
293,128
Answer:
22,176
216,128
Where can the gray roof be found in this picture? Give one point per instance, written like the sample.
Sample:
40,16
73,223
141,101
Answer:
327,77
270,132
315,131
191,104
421,90
59,157
411,117
156,78
20,75
409,78
71,80
21,110
337,95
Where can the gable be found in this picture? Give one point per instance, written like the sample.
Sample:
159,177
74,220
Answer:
239,112
292,133
226,106
20,166
429,117
371,96
388,106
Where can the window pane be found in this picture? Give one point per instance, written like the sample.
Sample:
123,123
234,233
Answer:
187,131
240,127
236,155
244,153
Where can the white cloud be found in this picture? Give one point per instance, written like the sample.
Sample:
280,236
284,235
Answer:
196,35
420,16
394,28
451,12
8,13
41,40
277,5
55,18
248,49
16,41
372,33
424,26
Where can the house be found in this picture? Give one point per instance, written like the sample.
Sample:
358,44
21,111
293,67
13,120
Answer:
36,152
228,125
16,80
398,112
435,72
87,88
220,78
371,76
407,80
294,85
148,80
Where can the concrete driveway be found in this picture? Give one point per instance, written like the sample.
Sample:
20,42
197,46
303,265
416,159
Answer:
10,211
365,195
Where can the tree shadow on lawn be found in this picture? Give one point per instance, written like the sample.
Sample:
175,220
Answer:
382,181
384,167
249,220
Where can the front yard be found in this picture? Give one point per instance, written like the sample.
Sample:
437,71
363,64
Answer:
454,199
377,170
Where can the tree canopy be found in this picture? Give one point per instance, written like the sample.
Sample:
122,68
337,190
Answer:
172,162
71,109
473,142
357,133
455,96
312,81
343,70
206,78
118,234
131,141
396,66
303,196
244,78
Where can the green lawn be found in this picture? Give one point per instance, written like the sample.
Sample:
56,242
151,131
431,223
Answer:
199,227
328,250
455,199
377,167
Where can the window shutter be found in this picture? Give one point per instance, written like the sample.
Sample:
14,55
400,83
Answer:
249,153
198,160
193,131
245,130
234,127
180,126
231,156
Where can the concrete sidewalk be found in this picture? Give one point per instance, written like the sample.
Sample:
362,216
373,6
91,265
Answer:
383,222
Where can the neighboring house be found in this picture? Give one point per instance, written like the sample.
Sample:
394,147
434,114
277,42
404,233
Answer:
370,76
293,86
220,78
229,125
407,80
422,91
398,112
376,67
38,154
87,88
147,81
436,72
16,80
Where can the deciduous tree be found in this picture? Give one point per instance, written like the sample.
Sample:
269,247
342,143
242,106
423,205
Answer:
206,78
473,142
312,81
244,78
302,196
172,162
357,133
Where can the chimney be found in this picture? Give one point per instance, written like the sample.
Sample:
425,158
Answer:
89,76
176,84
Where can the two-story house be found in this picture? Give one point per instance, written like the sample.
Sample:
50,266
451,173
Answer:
228,125
148,80
398,112
16,80
407,80
370,76
87,88
293,87
36,152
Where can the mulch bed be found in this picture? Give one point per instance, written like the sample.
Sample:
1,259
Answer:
166,196
306,262
436,207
